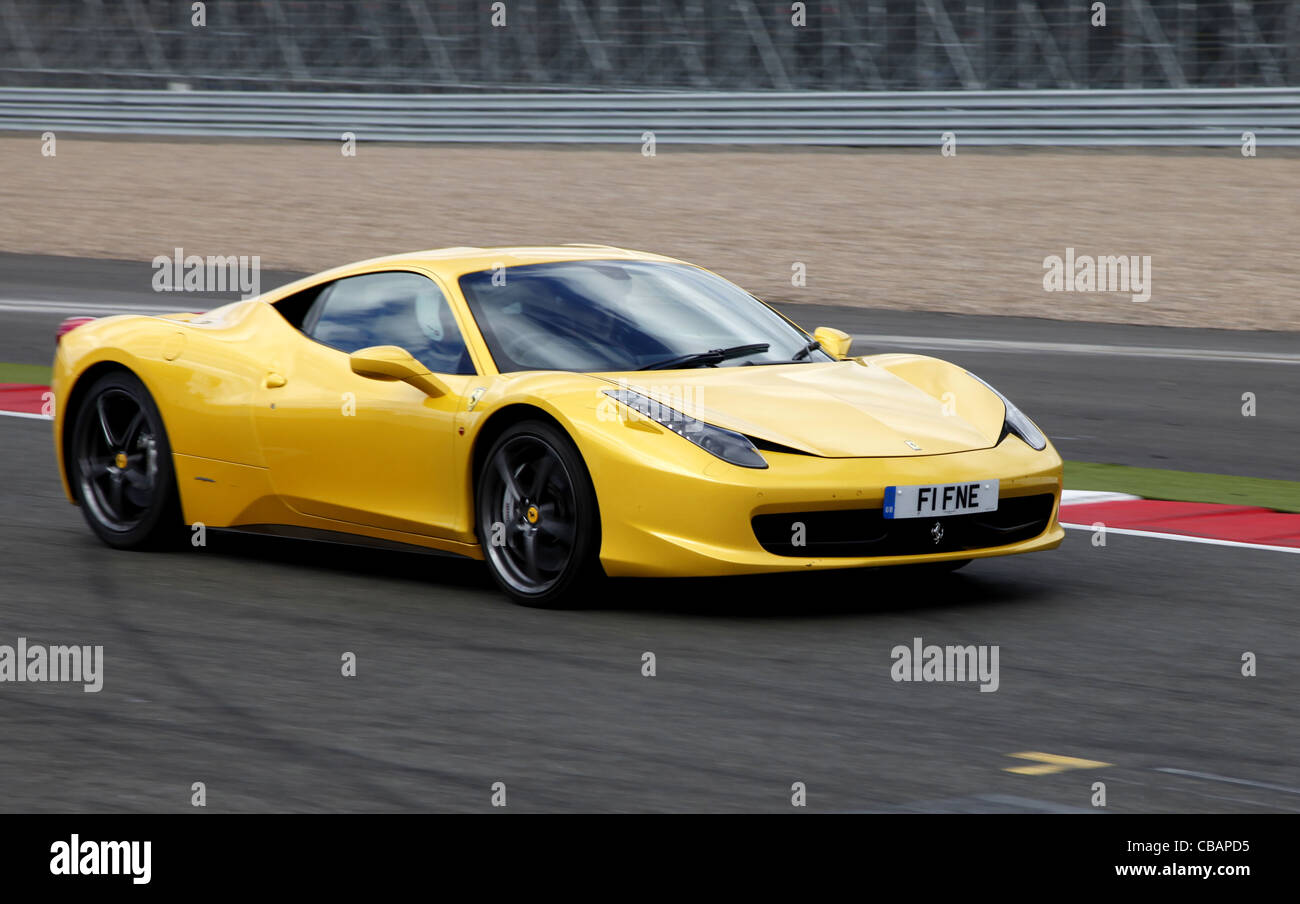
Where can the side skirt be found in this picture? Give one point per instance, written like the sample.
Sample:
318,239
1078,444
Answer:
339,538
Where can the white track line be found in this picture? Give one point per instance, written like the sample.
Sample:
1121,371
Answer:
1077,348
101,309
1285,789
1110,530
35,417
1088,497
1156,535
89,308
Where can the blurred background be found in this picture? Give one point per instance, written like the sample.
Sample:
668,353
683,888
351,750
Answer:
636,122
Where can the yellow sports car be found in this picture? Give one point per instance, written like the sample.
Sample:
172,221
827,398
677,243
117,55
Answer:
563,413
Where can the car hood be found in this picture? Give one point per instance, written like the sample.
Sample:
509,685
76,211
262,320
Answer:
890,405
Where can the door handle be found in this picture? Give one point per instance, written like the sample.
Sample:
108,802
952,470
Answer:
275,380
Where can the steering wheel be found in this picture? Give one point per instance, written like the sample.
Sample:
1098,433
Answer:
524,348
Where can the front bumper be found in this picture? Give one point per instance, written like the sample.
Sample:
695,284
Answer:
679,521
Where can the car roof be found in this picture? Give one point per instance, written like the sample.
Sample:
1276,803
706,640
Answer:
452,263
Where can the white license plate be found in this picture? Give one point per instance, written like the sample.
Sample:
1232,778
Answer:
927,500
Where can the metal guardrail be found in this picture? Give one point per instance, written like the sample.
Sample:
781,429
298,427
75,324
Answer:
1193,117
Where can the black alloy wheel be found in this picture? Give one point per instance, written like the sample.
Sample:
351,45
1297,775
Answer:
120,465
538,520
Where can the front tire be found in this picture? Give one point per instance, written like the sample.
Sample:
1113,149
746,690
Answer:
538,519
120,465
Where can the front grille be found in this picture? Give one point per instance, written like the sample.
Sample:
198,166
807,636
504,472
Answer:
865,532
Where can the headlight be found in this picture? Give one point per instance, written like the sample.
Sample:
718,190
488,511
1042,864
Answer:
1017,422
728,445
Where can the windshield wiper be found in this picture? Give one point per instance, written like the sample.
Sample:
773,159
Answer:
806,350
713,356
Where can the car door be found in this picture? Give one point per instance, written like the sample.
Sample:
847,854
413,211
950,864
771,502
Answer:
360,450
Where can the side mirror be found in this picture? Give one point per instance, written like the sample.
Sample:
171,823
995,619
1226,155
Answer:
388,362
835,342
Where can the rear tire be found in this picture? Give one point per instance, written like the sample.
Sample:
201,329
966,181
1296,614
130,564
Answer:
120,465
538,519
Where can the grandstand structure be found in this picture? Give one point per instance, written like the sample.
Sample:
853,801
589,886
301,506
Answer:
464,46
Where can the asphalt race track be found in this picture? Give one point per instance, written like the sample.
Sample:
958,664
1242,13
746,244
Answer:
222,664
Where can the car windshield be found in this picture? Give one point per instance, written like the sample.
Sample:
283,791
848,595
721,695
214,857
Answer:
592,316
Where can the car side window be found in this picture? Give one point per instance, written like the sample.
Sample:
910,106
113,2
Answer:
396,308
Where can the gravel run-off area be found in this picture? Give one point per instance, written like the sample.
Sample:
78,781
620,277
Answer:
881,229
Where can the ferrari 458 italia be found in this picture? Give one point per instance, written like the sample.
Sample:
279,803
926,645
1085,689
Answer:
565,414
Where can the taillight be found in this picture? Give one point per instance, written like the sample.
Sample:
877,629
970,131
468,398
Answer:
68,325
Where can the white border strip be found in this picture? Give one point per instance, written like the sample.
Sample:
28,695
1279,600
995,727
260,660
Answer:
1185,538
36,417
1077,348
